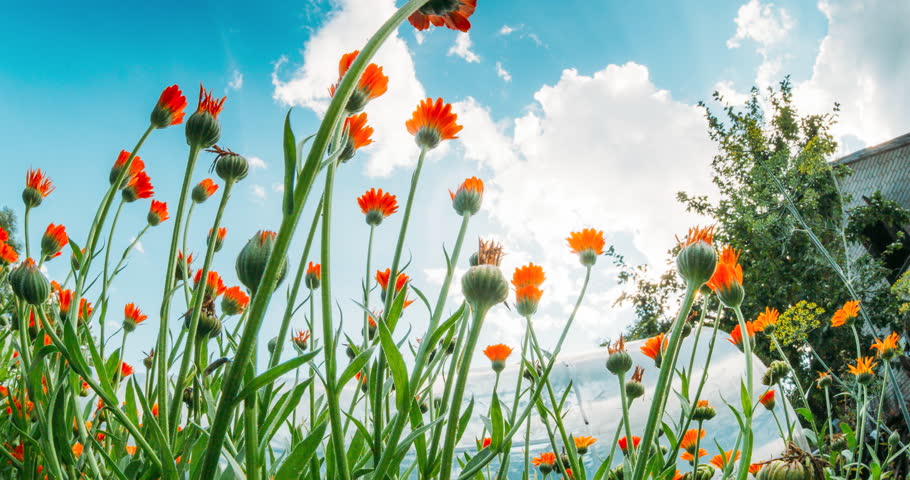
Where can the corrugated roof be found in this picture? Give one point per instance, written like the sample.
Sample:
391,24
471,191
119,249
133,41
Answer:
884,167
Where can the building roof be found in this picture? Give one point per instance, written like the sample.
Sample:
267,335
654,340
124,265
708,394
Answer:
884,167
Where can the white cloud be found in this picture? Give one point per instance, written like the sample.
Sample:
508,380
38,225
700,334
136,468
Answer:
731,96
236,82
137,246
462,48
502,72
278,187
256,162
861,66
258,191
347,29
419,36
506,30
764,24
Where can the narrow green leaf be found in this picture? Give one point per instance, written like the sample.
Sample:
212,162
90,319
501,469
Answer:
296,461
290,165
355,366
397,367
272,374
465,418
497,421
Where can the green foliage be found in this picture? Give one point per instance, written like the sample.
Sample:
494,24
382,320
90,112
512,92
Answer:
9,223
797,321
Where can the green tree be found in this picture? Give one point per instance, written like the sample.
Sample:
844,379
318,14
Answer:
8,222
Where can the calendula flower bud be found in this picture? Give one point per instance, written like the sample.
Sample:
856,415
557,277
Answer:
484,285
466,200
273,342
203,190
202,128
219,238
230,166
254,257
472,259
53,241
775,372
83,389
209,326
727,281
894,439
313,276
619,361
157,213
37,188
350,352
703,411
697,259
824,380
703,472
28,283
634,388
169,109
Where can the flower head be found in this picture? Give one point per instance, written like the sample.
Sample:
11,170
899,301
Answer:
169,109
214,286
138,186
136,166
824,380
234,301
767,400
451,13
37,188
529,274
703,411
467,198
77,449
183,265
544,462
720,461
372,84
736,335
863,369
85,310
486,442
8,254
432,123
313,275
203,190
356,135
219,236
690,457
125,370
655,346
766,320
697,258
888,348
582,444
846,314
202,128
157,213
498,355
727,281
53,241
689,439
382,278
377,205
588,244
624,444
132,316
300,339
208,104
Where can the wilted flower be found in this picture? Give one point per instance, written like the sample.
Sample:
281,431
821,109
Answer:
377,205
202,128
432,123
169,109
634,388
451,13
132,316
498,355
588,244
619,361
483,285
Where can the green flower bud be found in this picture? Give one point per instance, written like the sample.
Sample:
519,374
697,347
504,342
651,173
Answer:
254,257
775,372
619,362
697,259
29,284
202,130
484,286
231,167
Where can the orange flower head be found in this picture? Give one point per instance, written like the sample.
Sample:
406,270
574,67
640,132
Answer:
214,286
155,410
736,335
655,346
132,316
136,166
689,457
690,438
529,274
204,190
755,468
37,188
588,244
8,254
77,449
889,347
85,310
824,380
169,109
382,278
300,339
356,135
863,369
53,241
727,281
377,205
720,461
4,235
234,301
208,104
64,301
183,265
313,276
130,449
218,236
583,443
766,320
372,84
846,315
498,355
431,123
139,186
468,197
703,411
17,452
125,370
202,128
451,13
157,213
544,462
624,444
527,298
486,442
767,400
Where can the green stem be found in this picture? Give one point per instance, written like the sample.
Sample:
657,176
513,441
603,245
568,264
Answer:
881,396
790,425
799,386
861,436
104,284
28,243
630,445
366,288
830,418
748,435
183,248
697,449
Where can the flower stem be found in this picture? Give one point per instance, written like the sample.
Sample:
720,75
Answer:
748,435
104,283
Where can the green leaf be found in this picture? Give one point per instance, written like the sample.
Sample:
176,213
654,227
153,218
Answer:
355,366
850,436
290,165
465,418
77,250
397,368
807,414
745,399
296,461
497,421
272,374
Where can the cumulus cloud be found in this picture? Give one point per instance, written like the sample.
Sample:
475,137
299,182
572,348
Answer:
861,66
236,82
347,28
256,162
502,72
761,23
462,48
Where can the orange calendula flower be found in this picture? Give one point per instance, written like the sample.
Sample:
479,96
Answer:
77,449
377,205
218,236
431,123
8,254
451,13
655,346
234,301
767,400
526,299
863,370
356,135
203,190
4,235
888,348
529,274
824,380
300,339
588,244
37,188
544,462
689,457
85,310
169,109
136,166
466,200
155,410
372,84
214,286
846,314
130,449
313,276
157,213
53,241
690,438
583,443
132,316
624,443
736,335
498,355
125,370
208,104
139,186
755,468
486,442
720,461
17,452
382,278
727,281
766,320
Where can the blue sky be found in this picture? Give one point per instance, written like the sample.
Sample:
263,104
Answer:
576,114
